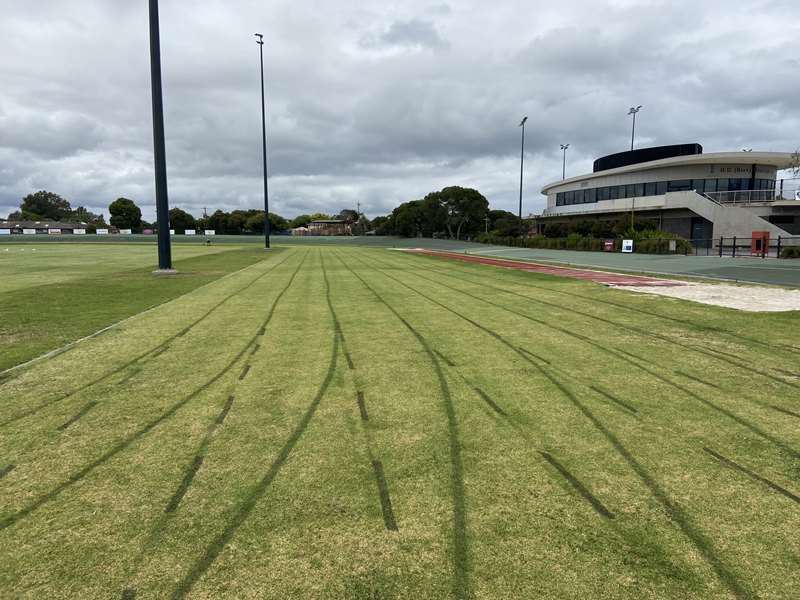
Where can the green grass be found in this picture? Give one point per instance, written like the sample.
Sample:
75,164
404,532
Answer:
360,423
53,294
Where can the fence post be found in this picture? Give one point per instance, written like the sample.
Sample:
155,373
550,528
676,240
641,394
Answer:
778,255
734,247
764,244
721,241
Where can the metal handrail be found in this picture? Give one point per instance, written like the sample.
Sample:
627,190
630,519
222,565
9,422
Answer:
752,196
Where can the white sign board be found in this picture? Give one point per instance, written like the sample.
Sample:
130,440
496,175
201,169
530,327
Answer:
627,245
29,231
189,232
5,232
125,231
79,231
54,231
210,232
102,232
172,232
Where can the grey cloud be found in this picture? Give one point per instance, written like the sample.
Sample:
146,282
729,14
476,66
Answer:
380,104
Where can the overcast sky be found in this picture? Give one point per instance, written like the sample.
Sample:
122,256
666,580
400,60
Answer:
378,102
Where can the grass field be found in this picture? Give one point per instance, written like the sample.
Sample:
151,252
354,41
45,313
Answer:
339,422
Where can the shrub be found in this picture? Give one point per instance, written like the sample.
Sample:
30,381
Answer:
790,252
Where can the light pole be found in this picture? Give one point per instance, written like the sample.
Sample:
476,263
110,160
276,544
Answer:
633,110
521,163
564,162
159,153
260,42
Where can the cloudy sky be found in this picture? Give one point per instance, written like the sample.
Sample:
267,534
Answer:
378,102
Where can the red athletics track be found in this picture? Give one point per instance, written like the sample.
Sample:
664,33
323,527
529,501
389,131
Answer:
604,277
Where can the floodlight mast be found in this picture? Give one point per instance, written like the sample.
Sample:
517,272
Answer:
162,201
260,42
521,163
633,110
564,162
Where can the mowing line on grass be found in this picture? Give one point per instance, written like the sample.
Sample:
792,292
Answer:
486,398
784,411
696,379
143,357
713,354
362,408
4,375
461,583
242,512
445,360
691,324
6,470
130,439
621,354
673,510
613,398
734,465
383,492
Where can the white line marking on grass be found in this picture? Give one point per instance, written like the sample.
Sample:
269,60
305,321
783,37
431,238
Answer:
74,343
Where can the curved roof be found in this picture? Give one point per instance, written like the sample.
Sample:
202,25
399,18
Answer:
779,160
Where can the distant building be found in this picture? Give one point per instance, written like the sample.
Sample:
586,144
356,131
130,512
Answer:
329,227
688,193
61,227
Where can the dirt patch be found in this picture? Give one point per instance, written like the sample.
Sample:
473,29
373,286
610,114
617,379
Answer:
747,298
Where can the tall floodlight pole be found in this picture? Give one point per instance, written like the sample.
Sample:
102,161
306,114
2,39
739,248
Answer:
260,42
162,202
564,162
633,110
521,163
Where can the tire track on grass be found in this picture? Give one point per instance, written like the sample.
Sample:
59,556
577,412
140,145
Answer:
143,357
627,357
194,466
242,512
126,442
676,514
461,583
731,360
389,519
691,324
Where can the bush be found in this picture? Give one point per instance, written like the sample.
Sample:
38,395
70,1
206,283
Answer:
645,241
790,252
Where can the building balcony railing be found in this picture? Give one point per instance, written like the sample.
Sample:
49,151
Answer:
753,196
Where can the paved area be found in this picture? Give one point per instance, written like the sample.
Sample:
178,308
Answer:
604,277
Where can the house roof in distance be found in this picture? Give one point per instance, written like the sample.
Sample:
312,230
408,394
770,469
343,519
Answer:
41,225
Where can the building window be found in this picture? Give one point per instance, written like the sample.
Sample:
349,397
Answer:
613,192
699,185
680,185
591,195
650,189
661,188
602,193
711,185
630,191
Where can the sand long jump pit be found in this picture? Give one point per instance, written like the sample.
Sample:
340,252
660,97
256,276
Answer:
751,298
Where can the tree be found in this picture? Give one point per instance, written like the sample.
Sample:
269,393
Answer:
180,220
255,222
300,221
382,225
465,207
348,215
504,223
320,217
407,219
44,205
218,221
125,214
83,215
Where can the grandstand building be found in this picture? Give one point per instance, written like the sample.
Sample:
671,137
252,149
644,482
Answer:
691,194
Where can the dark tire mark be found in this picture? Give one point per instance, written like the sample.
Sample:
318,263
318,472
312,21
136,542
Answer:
141,357
734,465
225,409
242,512
673,510
383,492
629,358
697,379
486,398
86,408
128,594
347,356
709,353
579,487
461,584
134,372
536,356
445,360
184,486
362,407
6,470
784,411
158,352
614,399
244,372
691,324
255,349
147,428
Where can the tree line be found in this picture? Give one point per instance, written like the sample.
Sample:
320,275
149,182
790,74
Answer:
453,212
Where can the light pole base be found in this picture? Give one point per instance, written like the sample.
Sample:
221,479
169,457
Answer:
165,272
